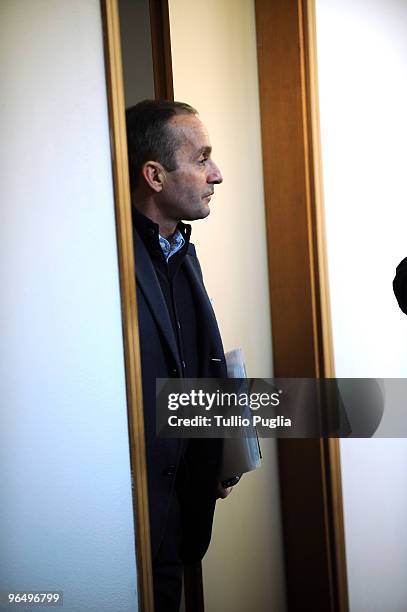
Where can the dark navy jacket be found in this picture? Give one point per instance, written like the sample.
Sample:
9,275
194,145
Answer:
160,359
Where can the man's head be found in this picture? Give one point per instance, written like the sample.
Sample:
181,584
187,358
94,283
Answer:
170,158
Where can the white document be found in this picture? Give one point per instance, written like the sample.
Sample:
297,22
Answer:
240,454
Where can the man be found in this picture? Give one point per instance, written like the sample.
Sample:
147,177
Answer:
172,178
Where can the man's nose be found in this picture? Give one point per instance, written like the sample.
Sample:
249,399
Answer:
214,175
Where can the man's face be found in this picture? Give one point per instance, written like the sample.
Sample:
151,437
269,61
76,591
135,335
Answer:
187,190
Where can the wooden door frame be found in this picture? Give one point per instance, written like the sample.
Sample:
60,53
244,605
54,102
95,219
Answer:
302,345
124,233
162,69
161,48
309,470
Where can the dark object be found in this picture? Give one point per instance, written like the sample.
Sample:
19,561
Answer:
400,285
230,482
193,587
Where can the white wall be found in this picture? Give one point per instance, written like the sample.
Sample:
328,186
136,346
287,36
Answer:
66,510
215,70
362,67
375,502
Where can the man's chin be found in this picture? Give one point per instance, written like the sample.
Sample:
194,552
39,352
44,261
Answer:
199,214
206,212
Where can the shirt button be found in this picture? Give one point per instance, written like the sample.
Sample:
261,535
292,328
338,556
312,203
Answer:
170,470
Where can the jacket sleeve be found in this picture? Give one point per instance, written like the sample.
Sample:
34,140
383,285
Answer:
400,285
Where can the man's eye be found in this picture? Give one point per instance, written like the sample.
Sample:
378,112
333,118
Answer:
203,160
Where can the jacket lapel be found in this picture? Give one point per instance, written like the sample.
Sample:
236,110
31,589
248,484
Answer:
149,285
208,316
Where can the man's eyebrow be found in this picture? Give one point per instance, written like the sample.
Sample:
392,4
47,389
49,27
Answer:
205,151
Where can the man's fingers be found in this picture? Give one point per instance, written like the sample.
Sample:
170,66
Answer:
222,492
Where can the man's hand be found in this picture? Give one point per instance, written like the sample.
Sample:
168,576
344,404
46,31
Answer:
222,492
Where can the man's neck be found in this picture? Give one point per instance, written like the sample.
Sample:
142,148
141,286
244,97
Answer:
166,226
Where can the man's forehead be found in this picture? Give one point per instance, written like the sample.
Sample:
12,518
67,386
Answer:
191,131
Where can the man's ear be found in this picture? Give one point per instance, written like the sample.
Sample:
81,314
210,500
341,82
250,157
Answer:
154,175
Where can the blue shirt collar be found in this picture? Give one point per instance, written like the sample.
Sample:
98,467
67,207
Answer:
173,245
